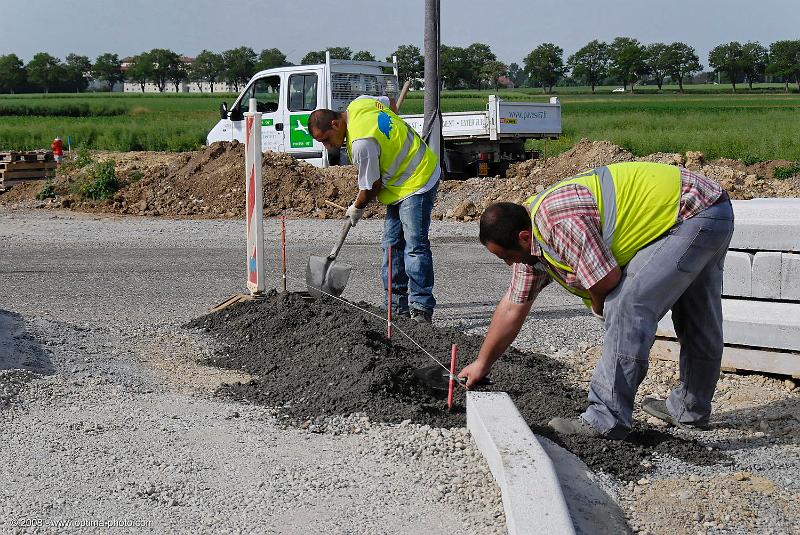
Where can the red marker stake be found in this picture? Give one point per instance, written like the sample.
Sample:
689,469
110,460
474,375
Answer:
389,290
453,357
283,250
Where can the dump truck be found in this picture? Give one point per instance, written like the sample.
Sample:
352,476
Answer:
477,143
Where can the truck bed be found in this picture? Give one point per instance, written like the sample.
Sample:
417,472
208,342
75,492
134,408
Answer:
500,120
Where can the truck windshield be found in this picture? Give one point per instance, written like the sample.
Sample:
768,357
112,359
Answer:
266,91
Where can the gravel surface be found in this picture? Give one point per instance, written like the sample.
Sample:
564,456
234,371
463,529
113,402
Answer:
110,417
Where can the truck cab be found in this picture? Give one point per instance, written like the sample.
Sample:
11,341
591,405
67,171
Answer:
286,96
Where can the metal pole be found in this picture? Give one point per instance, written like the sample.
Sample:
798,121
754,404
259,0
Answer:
432,130
283,250
389,292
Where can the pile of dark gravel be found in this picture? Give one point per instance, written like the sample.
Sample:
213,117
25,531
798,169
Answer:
313,359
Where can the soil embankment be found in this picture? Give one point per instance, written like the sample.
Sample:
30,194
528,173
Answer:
316,359
209,183
467,199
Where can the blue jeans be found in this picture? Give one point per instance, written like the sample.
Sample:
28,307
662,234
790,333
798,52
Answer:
681,271
406,231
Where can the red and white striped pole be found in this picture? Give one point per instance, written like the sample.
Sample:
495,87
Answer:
255,203
451,384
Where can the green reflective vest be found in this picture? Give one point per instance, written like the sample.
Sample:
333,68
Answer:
406,162
637,201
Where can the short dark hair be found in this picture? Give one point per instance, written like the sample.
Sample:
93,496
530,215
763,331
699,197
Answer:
501,224
321,119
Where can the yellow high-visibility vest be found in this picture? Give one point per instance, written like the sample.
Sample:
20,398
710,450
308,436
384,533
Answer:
406,162
637,201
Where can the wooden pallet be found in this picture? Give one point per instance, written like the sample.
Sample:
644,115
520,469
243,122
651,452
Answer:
28,156
23,168
739,358
20,166
33,174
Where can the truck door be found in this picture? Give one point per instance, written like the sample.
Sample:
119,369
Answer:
303,98
268,94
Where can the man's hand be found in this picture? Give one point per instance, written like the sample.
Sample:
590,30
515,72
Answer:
475,372
354,214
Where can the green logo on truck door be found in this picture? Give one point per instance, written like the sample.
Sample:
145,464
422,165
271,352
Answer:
267,122
299,137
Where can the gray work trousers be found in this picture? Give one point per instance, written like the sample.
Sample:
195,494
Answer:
681,271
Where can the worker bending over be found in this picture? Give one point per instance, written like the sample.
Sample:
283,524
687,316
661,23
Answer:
634,240
396,166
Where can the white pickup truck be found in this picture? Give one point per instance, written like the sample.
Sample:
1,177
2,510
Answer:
476,143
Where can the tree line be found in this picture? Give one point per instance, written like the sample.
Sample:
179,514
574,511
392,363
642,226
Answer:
624,61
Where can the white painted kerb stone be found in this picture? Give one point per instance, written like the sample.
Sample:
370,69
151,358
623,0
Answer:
532,496
790,276
766,225
737,278
767,275
769,324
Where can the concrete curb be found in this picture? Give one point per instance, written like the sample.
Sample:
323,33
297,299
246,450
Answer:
532,496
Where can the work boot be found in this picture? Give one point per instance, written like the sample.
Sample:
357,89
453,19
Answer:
658,408
421,316
396,311
573,426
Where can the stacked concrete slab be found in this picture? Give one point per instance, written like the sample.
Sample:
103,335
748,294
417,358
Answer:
761,288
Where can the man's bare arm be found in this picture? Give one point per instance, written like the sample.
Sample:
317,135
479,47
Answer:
365,196
506,323
602,288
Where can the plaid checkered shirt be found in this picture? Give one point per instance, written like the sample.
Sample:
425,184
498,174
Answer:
569,222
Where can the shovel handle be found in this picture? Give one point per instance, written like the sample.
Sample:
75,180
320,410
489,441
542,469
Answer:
403,93
342,236
339,206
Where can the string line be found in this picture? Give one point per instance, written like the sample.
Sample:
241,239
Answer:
383,319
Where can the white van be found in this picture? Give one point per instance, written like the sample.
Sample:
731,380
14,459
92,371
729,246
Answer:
475,143
286,96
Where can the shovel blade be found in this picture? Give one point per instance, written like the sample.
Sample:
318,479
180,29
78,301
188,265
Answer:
326,276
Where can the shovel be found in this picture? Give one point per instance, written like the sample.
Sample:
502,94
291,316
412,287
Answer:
324,275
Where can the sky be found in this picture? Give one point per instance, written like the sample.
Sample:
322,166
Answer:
511,27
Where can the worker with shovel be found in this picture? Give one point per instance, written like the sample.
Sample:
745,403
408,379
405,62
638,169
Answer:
634,240
398,168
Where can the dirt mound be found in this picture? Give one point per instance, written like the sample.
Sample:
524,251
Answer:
212,182
466,200
751,181
315,359
208,183
584,155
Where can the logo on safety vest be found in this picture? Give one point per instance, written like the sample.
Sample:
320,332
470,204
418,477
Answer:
385,124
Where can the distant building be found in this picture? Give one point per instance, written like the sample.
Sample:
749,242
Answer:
98,85
505,81
183,87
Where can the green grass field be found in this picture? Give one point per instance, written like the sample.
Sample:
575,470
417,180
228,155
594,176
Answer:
753,126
